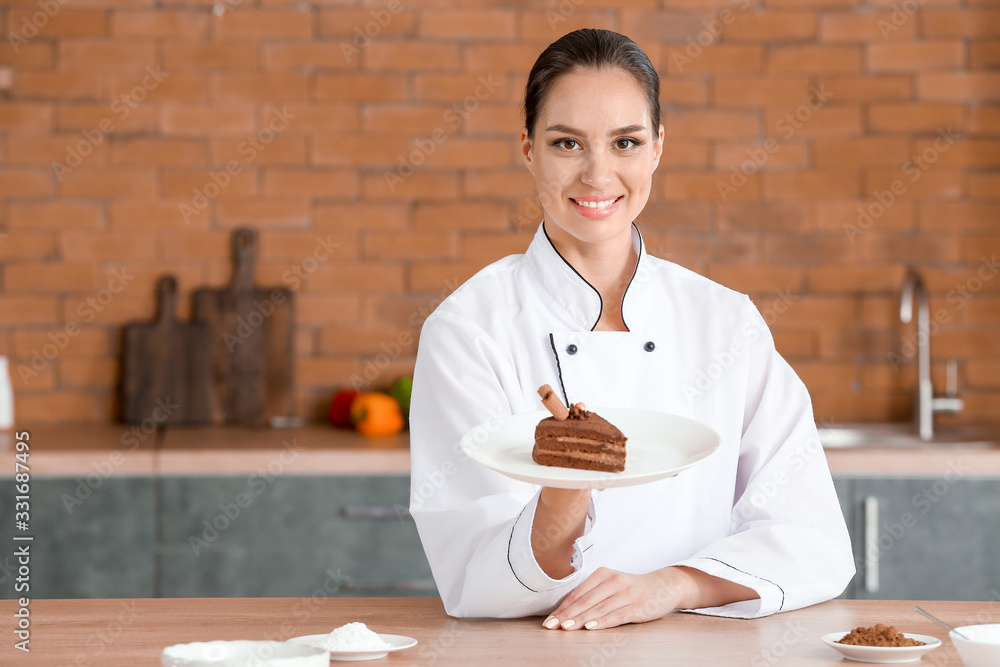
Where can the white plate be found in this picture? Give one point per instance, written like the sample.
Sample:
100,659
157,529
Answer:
243,652
659,445
884,655
395,642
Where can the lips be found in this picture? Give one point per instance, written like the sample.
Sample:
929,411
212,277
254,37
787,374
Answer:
595,206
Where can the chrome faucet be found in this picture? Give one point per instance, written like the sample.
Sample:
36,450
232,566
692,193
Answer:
925,404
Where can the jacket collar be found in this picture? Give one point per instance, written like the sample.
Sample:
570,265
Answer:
577,297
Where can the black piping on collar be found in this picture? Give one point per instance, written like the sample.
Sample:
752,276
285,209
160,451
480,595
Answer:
600,300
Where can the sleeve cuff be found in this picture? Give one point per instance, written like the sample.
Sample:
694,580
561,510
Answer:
771,600
522,559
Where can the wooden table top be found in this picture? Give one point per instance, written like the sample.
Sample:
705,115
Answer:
132,633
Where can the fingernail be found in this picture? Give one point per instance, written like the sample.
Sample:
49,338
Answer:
568,624
551,622
591,625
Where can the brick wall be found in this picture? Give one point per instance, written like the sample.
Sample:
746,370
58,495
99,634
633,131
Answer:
388,131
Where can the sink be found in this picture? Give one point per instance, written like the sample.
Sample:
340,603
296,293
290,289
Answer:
903,436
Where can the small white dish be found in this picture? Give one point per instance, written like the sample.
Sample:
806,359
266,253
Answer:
884,655
244,652
395,642
983,650
660,445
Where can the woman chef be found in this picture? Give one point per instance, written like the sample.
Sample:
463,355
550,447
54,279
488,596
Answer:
752,530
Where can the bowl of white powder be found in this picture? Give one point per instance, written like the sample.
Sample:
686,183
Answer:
355,641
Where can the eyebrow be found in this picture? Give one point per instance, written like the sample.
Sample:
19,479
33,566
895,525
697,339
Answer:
566,129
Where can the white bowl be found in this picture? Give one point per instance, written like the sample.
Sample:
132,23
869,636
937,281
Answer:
242,653
983,650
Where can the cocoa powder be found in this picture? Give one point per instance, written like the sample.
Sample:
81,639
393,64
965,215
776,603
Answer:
877,635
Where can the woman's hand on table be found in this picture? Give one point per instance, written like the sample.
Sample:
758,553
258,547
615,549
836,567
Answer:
609,598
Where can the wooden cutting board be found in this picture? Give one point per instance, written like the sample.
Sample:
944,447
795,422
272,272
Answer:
251,342
166,366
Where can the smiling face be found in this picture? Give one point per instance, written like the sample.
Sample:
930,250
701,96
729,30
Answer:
593,155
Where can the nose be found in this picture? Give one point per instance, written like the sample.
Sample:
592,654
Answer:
597,172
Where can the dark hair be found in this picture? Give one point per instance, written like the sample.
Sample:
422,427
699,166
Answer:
593,49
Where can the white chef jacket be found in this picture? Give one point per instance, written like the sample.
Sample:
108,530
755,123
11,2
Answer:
761,511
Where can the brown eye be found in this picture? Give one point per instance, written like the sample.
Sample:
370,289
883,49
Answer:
625,144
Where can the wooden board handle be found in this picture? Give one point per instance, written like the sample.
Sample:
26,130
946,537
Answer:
244,250
166,294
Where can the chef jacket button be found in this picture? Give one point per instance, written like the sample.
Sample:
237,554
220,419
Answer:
649,346
571,349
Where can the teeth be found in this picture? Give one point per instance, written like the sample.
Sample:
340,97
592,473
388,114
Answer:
597,204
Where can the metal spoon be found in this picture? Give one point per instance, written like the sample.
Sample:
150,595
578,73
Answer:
941,623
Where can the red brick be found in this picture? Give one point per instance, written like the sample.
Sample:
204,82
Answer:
419,185
364,340
959,22
286,87
680,153
110,184
30,56
983,185
458,87
25,117
550,25
315,183
354,150
915,56
296,247
985,120
307,56
909,248
29,309
804,120
326,308
471,153
962,154
759,91
281,150
796,4
493,118
817,183
892,117
962,87
24,245
326,371
827,375
55,215
807,249
143,215
411,119
798,344
865,278
709,186
363,277
177,87
494,183
965,216
764,217
415,245
680,91
183,184
181,24
714,58
747,278
464,216
758,154
362,25
712,124
88,373
486,248
869,87
197,245
984,54
854,216
352,215
772,26
946,183
90,116
247,23
44,150
480,58
96,248
984,373
196,120
210,55
843,152
430,276
359,87
75,85
107,55
64,407
814,59
158,152
58,342
285,212
852,26
63,23
25,182
462,23
50,277
410,56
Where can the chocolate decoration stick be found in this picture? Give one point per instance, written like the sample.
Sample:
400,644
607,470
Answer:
552,402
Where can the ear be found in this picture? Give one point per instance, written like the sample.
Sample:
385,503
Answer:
527,151
658,148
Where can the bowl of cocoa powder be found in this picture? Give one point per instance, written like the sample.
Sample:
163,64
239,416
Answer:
881,644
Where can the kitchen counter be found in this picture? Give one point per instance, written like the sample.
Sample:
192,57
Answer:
131,633
68,451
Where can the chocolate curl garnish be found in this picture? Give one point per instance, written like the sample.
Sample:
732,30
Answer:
552,402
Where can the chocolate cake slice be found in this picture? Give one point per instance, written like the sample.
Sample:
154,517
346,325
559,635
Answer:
583,440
